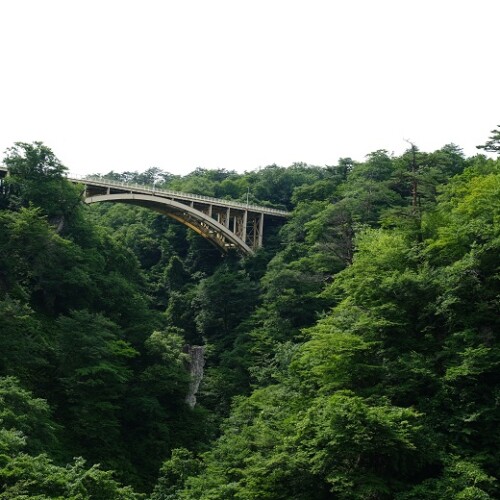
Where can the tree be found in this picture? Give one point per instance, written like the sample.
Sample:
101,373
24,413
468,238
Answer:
38,477
181,465
221,302
26,428
155,402
30,161
93,376
493,143
37,176
29,416
23,346
342,170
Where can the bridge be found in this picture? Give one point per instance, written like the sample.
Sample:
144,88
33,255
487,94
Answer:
227,224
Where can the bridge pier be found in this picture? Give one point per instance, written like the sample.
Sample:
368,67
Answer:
261,230
244,226
3,175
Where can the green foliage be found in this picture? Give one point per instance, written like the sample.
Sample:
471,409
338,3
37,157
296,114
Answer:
26,430
276,184
23,348
156,415
30,417
359,449
394,392
493,143
93,376
218,312
354,356
173,473
37,477
37,177
460,479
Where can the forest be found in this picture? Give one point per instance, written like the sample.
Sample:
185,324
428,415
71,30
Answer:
356,355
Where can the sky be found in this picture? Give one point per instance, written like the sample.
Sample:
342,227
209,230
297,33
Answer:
127,85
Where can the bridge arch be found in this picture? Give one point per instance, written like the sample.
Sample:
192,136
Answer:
200,222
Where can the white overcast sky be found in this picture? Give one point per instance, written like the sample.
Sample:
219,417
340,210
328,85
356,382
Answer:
127,85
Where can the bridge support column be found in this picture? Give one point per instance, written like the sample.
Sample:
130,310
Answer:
228,218
244,228
261,229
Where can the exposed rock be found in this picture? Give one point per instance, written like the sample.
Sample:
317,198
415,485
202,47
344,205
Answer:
195,364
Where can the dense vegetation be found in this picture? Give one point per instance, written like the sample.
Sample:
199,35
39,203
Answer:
355,356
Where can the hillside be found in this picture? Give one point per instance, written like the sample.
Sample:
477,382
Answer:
354,356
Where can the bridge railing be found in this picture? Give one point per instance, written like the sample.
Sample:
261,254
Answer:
178,194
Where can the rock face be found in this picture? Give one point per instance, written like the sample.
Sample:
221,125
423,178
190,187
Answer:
58,222
195,365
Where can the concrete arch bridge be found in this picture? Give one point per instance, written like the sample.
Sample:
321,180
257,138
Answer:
227,224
